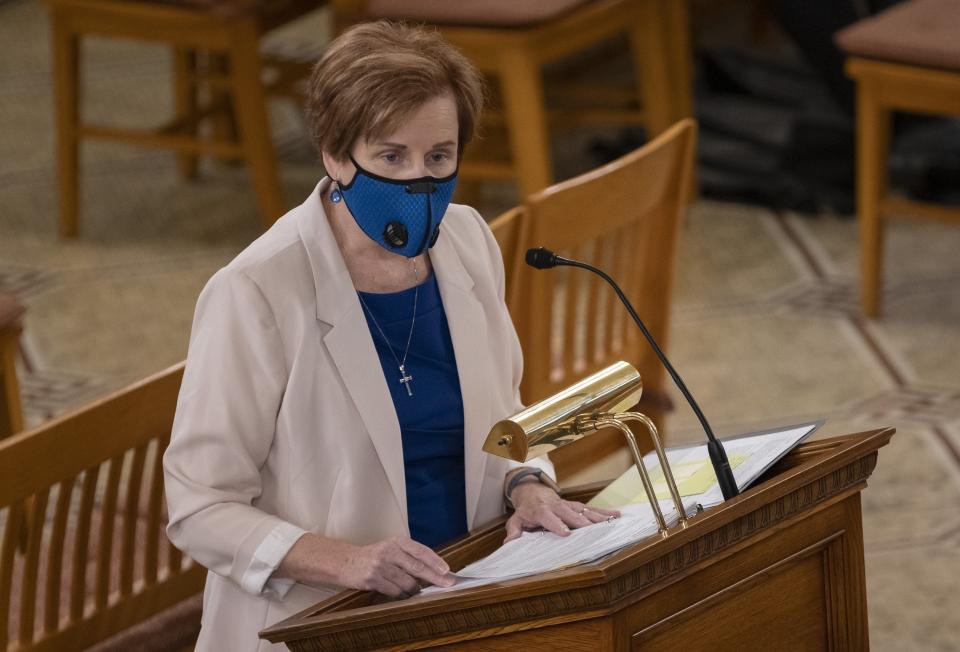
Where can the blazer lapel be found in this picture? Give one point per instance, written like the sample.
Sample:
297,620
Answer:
350,344
468,331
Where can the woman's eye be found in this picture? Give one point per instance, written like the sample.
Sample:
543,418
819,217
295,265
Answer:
439,157
391,157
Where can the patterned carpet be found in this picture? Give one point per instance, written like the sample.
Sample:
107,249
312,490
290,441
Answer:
765,329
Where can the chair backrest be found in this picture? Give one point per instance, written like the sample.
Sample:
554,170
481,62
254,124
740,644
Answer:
624,218
506,229
82,523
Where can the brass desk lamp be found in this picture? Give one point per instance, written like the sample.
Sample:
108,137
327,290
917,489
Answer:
594,403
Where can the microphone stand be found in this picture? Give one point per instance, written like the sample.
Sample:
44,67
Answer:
718,455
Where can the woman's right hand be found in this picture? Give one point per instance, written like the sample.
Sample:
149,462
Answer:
396,567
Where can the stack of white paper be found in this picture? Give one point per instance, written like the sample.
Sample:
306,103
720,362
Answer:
539,552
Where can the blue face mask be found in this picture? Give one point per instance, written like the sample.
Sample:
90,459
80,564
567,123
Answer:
402,216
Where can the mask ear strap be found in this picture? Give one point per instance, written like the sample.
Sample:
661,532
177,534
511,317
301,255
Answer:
357,170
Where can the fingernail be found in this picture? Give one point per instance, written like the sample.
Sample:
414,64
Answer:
449,581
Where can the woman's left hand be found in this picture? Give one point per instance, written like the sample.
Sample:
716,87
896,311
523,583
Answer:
539,506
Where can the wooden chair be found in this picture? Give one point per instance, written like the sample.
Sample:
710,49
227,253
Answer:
228,32
623,218
88,490
513,41
904,59
11,412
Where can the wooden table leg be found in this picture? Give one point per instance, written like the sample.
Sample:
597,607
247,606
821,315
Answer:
250,105
873,143
185,102
526,120
66,85
652,65
224,122
681,57
11,413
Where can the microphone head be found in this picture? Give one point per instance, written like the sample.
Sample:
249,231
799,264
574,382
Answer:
541,258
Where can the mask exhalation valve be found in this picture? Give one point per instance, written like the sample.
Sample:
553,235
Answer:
395,234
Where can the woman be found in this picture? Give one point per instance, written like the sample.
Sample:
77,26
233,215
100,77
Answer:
345,368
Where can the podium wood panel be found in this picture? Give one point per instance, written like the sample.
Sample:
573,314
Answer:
779,567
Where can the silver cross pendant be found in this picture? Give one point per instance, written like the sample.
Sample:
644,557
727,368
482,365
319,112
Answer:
405,379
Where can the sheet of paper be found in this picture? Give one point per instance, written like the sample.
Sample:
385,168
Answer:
692,472
463,583
539,552
749,456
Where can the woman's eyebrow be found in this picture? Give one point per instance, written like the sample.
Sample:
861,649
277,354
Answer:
380,144
390,145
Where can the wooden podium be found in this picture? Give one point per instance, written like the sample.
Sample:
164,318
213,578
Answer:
779,567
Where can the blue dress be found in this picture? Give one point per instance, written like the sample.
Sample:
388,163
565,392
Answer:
431,421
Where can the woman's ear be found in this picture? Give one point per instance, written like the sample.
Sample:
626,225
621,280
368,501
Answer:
332,166
341,171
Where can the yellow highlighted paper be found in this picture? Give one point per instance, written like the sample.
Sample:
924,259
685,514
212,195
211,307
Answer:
693,477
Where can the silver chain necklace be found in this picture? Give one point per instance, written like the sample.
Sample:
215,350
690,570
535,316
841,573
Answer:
405,378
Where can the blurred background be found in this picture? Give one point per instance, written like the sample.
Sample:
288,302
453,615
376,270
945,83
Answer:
766,322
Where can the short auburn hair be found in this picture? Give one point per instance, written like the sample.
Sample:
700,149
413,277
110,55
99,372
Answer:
375,75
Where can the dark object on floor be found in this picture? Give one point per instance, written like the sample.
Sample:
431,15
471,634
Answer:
782,107
772,134
810,25
925,160
766,127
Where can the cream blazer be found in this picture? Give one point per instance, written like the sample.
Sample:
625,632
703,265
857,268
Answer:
285,424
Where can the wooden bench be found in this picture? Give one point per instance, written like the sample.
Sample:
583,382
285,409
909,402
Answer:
85,494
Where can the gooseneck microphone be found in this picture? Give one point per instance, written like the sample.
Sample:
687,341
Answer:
541,258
